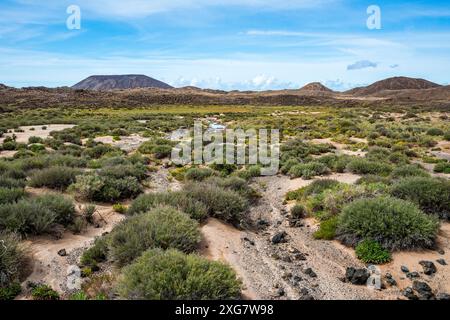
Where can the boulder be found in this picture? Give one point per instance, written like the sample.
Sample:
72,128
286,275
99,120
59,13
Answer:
423,289
357,276
404,269
428,267
443,296
62,253
310,272
441,262
409,293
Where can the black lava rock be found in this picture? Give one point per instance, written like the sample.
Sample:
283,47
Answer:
441,262
279,237
424,290
428,267
310,272
404,269
62,253
357,276
409,293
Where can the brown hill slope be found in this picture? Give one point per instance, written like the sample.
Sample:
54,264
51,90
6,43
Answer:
316,86
112,82
396,83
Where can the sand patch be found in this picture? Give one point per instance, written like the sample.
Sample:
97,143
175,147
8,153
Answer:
36,131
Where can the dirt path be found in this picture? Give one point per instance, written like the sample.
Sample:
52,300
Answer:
51,268
341,149
273,271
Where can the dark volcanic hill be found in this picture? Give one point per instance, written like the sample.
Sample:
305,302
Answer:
131,81
397,83
316,86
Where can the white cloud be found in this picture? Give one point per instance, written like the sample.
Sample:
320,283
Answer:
363,64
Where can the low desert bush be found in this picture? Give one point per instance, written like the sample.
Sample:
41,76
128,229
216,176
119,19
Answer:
408,171
309,170
298,212
54,178
221,203
431,194
96,254
100,188
172,275
180,200
327,229
395,224
12,262
36,215
364,166
443,167
44,292
11,195
120,208
199,174
369,251
162,227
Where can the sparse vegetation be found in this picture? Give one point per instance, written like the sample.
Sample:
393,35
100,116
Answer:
395,224
172,275
369,251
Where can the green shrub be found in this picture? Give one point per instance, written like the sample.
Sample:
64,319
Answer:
96,254
447,136
221,203
10,292
180,200
369,251
298,212
435,132
36,215
308,170
443,167
364,166
124,171
12,262
44,292
163,227
408,171
79,296
172,275
99,188
371,179
54,178
11,183
394,223
11,195
432,195
198,174
120,208
327,229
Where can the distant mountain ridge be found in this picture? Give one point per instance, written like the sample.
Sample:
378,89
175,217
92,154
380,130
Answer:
391,84
112,82
316,86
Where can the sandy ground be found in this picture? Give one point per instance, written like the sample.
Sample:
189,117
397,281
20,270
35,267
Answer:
440,281
7,153
23,137
50,268
126,143
266,268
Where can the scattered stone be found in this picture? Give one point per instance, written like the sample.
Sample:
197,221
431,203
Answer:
286,275
281,292
297,278
412,275
428,267
299,256
391,282
404,269
388,276
286,258
441,262
357,276
251,242
424,290
279,237
62,253
409,293
310,272
441,252
443,296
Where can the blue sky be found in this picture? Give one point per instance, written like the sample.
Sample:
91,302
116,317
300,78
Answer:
224,44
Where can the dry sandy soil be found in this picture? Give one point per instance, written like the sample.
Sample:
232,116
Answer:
267,269
23,137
